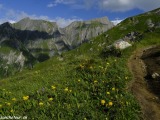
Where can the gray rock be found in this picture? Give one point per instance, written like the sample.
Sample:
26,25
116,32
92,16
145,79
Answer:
132,36
150,23
157,11
121,44
20,61
155,75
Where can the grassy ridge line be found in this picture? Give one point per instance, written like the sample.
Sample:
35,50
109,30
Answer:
81,84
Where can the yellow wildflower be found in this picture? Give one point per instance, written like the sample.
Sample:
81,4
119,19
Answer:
81,66
91,67
95,81
79,80
0,105
70,90
53,87
25,97
8,103
126,77
110,103
113,89
127,103
13,99
40,103
66,89
11,111
50,99
106,105
108,93
103,102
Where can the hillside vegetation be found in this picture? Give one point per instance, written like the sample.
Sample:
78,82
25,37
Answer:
87,83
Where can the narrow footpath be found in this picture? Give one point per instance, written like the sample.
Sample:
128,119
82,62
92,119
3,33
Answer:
141,64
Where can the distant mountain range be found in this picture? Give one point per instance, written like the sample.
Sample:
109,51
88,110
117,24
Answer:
40,39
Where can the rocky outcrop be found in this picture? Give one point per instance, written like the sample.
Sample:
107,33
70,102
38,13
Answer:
126,41
150,24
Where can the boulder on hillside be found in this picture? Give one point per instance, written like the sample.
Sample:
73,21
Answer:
121,44
150,24
158,12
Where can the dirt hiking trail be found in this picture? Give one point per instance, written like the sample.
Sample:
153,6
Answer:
143,64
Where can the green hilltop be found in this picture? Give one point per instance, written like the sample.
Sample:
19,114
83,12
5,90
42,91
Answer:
86,83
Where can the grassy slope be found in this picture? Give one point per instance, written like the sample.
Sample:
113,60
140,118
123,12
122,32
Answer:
80,83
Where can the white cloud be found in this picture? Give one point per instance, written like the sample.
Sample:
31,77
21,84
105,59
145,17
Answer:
148,4
116,21
125,5
1,6
10,15
62,22
51,5
57,2
13,16
116,5
11,21
109,5
84,4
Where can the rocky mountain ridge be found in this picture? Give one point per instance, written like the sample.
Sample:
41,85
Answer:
40,39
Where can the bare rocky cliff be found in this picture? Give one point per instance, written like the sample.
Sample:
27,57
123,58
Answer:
81,31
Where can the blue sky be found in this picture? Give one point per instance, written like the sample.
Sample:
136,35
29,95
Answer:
66,11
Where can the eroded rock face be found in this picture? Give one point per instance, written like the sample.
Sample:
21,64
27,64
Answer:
151,59
20,61
11,62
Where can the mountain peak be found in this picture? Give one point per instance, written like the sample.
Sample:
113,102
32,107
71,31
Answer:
26,18
6,25
36,24
103,20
